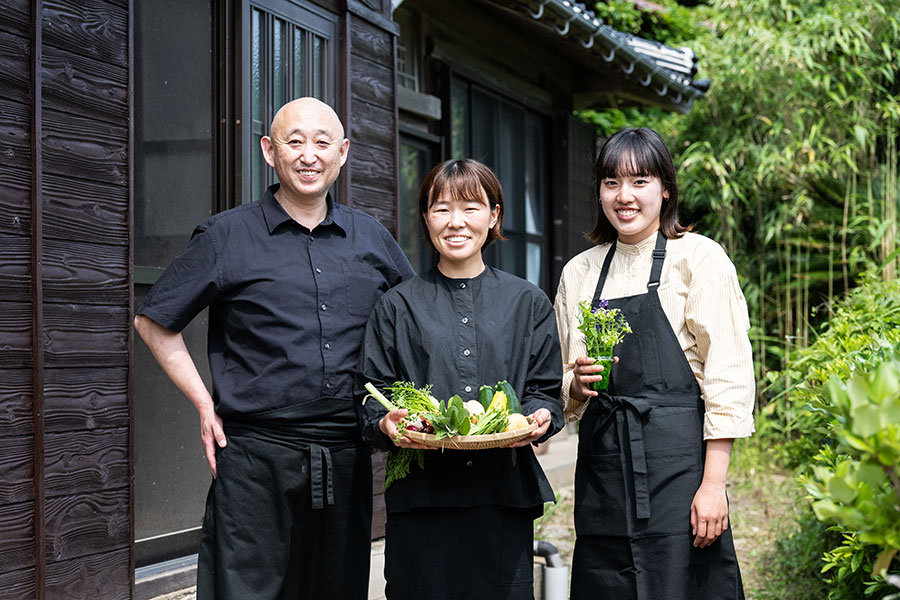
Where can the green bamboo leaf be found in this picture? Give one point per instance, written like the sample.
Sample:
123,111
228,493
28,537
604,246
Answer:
861,134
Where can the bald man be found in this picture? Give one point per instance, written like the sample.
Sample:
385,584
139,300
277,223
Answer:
289,281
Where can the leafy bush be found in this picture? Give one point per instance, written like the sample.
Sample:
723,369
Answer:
860,489
840,438
864,328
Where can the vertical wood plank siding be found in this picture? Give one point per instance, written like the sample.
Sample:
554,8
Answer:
65,453
373,120
368,84
86,294
66,441
37,300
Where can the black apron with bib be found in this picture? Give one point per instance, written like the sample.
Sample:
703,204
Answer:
640,462
289,516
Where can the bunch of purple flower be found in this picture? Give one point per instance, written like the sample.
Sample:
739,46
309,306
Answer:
602,327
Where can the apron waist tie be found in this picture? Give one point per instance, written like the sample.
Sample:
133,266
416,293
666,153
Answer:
628,414
316,454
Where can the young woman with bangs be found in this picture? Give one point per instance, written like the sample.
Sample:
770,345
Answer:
651,512
462,526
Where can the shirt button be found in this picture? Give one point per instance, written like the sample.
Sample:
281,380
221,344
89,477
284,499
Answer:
324,307
466,352
328,385
318,270
465,319
468,388
327,346
462,286
468,463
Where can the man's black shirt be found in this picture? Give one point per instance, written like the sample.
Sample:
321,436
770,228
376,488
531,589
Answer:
288,306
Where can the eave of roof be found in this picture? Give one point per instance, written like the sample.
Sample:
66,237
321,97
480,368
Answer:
668,72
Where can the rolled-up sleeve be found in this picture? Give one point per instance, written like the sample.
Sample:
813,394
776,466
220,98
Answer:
716,315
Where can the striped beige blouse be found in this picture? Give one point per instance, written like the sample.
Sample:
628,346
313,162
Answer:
702,300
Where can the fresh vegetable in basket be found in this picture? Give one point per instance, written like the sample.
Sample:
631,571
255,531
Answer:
496,410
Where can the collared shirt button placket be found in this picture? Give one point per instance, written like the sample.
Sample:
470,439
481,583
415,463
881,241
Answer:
326,329
462,295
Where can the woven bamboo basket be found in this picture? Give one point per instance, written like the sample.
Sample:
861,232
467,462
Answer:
474,442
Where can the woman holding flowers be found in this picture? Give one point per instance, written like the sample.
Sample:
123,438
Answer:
461,526
651,513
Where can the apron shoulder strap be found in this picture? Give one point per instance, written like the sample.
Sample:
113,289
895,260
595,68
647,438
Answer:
604,271
659,255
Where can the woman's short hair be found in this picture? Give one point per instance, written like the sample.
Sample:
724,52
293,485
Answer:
463,179
630,152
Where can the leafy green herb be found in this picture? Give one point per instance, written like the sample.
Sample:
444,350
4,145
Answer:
451,419
406,395
398,463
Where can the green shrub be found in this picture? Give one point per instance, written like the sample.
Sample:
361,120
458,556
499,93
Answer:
864,329
857,484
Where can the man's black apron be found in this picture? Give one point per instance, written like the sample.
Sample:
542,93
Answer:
289,516
640,462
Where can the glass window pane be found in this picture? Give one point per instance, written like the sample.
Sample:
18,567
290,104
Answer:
414,164
299,64
260,170
173,127
278,81
534,264
459,119
485,110
534,175
173,176
318,83
257,54
511,167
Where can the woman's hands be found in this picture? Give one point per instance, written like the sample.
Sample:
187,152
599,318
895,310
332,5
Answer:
709,509
388,426
586,373
709,513
543,417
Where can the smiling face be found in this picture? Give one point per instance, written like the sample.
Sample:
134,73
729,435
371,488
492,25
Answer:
637,188
307,148
632,205
458,229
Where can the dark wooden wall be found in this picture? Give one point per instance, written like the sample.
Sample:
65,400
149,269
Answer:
371,108
66,514
65,476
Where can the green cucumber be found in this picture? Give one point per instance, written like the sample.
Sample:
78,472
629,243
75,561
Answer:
485,395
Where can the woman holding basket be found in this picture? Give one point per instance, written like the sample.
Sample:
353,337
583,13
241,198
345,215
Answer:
462,526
